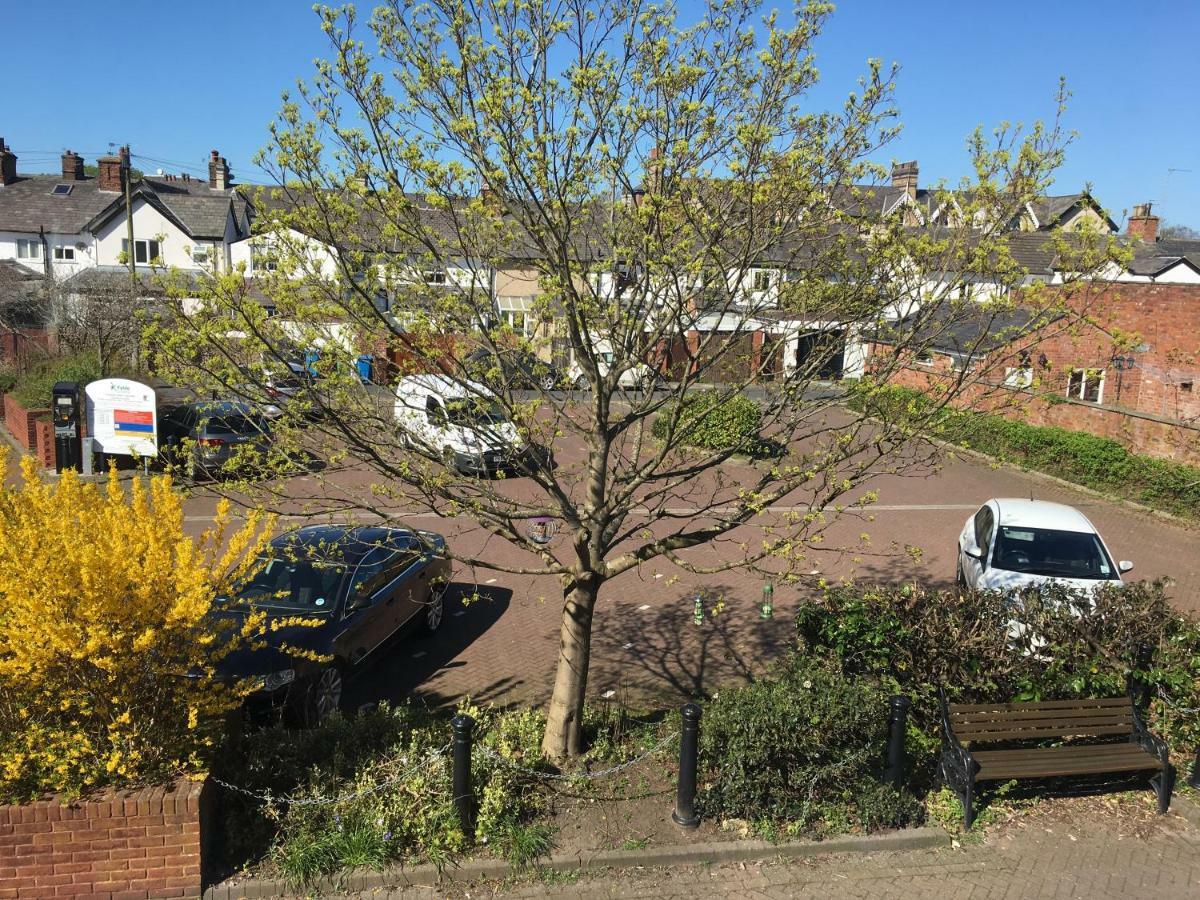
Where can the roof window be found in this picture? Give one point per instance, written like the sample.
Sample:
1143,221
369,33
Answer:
61,190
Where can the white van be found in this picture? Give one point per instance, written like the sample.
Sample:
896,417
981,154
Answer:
460,421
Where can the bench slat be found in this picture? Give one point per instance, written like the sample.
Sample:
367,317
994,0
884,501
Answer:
1035,733
1048,762
1073,721
1106,712
1040,704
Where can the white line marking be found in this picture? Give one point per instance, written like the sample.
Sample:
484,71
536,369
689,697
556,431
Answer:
627,646
643,607
490,581
461,612
658,574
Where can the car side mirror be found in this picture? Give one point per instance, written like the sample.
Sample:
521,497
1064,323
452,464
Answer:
358,600
973,551
1124,566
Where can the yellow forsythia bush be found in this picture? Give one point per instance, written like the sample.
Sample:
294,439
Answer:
103,630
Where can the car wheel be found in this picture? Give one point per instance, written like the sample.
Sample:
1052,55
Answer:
580,383
322,697
435,609
548,382
960,579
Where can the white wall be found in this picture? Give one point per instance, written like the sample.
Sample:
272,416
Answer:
148,224
321,259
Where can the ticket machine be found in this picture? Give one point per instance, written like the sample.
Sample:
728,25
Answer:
67,412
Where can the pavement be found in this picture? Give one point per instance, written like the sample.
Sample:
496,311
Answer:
1042,854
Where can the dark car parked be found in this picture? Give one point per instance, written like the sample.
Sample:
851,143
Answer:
359,585
208,436
512,368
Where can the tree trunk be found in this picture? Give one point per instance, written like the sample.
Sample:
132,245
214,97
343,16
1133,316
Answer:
564,720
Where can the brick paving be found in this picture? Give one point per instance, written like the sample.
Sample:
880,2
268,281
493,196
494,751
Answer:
1093,858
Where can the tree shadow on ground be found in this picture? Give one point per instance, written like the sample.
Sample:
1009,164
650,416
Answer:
410,659
660,653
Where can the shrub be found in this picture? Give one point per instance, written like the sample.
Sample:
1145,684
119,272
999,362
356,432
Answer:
103,615
34,389
373,789
960,642
713,422
801,751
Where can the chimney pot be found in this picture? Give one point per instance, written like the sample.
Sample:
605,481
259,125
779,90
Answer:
1143,224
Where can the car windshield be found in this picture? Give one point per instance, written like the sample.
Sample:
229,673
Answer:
1044,551
475,412
294,586
234,424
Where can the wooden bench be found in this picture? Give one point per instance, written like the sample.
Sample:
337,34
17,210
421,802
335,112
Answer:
998,726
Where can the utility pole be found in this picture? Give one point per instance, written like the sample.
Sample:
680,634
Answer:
128,172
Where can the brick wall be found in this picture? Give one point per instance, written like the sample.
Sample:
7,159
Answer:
22,422
44,448
120,844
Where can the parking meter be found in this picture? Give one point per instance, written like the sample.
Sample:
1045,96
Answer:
66,412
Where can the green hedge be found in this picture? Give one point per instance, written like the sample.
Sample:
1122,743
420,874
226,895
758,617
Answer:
714,423
33,390
1095,462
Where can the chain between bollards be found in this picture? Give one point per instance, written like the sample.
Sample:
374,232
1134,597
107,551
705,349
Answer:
689,741
897,726
464,797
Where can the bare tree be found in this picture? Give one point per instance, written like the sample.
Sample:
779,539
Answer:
685,211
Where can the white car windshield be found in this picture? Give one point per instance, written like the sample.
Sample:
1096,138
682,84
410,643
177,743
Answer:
1057,554
475,412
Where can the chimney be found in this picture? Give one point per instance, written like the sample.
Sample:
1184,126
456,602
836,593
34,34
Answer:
904,176
8,164
114,170
638,196
1142,224
72,166
218,172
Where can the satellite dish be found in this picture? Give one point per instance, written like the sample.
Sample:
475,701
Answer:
159,172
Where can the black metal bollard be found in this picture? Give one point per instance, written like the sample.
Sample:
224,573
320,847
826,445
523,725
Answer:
689,739
897,725
464,798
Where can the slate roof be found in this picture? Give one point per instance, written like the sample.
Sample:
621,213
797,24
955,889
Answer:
965,331
29,202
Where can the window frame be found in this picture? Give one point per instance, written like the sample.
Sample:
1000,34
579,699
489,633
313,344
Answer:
767,276
1080,379
147,244
31,246
64,253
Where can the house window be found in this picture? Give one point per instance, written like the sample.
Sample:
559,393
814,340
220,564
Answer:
381,302
261,259
1018,376
143,251
29,249
434,276
925,358
64,254
518,314
761,279
200,254
1086,385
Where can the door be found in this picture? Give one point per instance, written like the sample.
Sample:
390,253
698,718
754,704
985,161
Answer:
983,526
372,622
822,352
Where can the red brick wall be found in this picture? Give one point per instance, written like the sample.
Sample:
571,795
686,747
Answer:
21,422
129,844
44,448
1137,432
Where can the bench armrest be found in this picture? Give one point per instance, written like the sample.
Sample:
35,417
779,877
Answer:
954,755
1150,742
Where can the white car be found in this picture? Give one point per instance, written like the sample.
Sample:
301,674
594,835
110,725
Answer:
638,376
460,421
1011,544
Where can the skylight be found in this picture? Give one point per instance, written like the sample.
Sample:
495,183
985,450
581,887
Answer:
62,190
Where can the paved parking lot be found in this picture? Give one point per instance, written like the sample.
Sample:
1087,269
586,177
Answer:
502,646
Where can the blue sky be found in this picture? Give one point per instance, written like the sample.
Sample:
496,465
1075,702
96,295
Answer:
175,84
